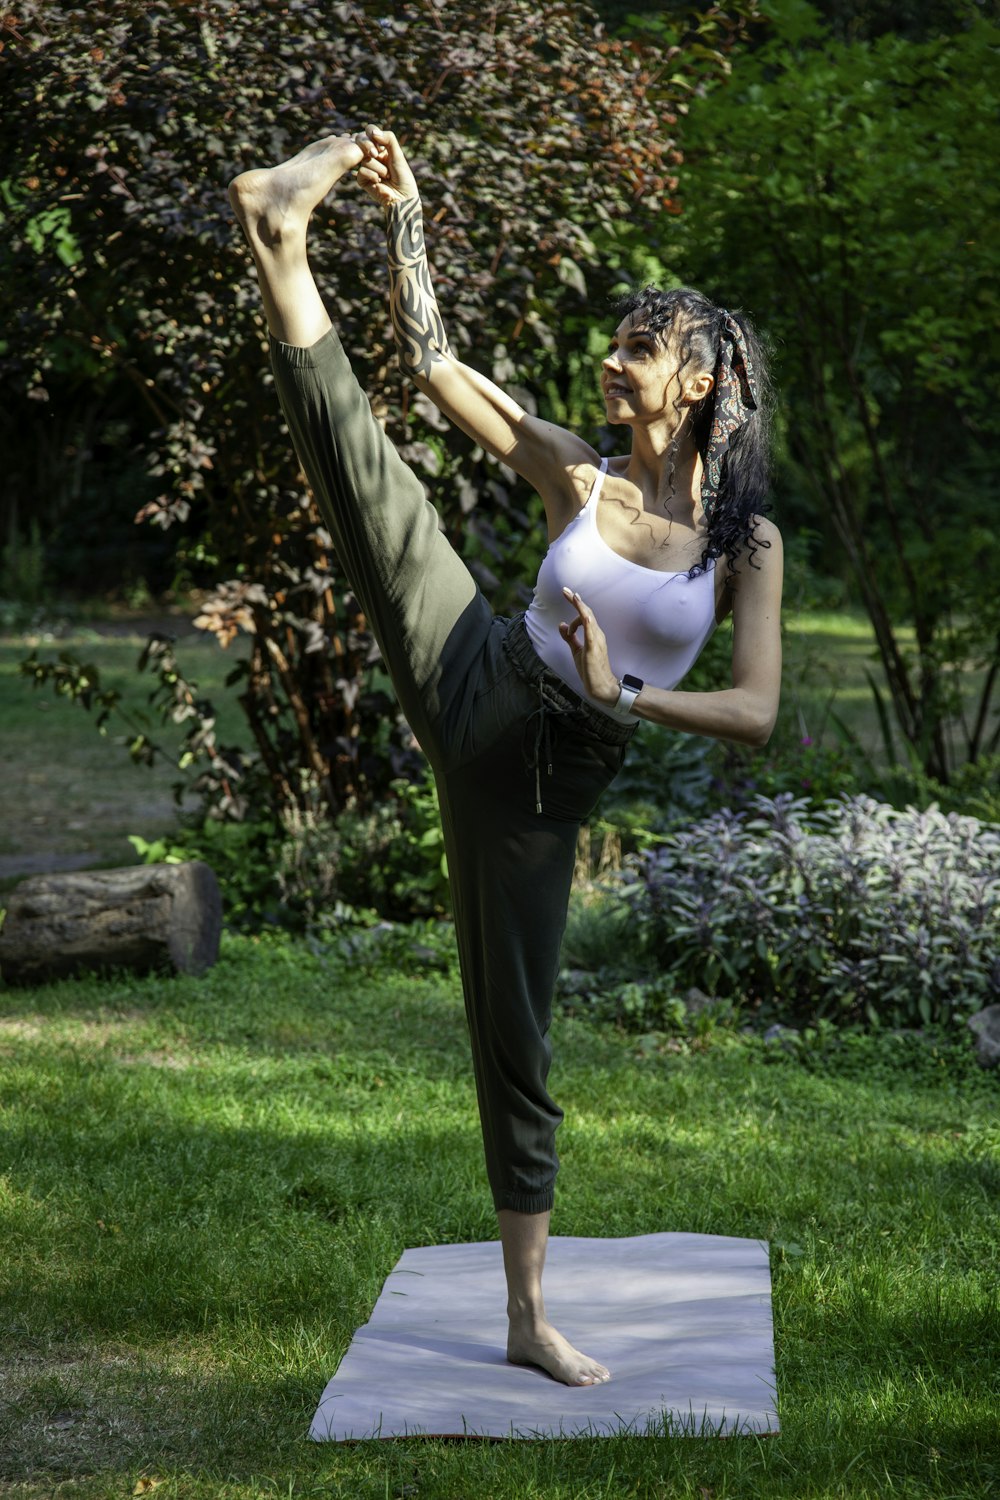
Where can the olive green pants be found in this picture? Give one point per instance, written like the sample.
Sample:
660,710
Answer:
518,758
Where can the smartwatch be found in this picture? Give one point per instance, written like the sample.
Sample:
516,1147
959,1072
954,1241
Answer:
630,687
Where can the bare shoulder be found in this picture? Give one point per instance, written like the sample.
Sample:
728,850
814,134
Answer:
763,557
767,536
582,470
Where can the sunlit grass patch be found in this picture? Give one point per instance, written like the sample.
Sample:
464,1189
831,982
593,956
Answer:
838,625
188,1248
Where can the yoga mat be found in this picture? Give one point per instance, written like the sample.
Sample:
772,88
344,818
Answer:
683,1322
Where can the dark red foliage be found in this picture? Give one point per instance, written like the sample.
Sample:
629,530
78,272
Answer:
532,133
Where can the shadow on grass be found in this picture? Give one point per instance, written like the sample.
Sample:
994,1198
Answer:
192,1224
78,1411
272,1289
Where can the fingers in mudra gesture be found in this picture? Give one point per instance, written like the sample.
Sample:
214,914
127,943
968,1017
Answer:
384,173
587,641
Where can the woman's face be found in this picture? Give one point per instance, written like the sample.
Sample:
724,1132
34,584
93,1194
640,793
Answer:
641,380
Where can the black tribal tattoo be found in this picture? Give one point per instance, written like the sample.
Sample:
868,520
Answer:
416,321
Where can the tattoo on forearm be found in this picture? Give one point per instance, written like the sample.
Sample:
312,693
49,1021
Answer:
416,320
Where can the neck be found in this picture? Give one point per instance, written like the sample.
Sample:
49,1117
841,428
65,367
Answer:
663,477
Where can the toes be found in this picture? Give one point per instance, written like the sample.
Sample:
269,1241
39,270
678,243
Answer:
559,1360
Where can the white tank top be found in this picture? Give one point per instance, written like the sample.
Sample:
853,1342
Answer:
656,623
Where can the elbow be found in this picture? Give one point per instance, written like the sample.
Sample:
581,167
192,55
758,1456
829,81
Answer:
759,725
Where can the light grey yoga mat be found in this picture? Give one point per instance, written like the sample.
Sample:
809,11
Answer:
683,1321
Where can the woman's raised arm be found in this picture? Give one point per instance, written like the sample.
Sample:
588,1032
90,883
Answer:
542,453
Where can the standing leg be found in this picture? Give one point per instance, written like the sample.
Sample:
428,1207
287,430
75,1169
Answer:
531,1338
511,872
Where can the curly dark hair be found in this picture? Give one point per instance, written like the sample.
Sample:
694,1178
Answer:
742,497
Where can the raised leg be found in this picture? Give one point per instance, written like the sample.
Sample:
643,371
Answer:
274,206
421,601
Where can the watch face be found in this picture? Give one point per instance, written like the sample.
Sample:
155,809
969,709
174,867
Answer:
635,683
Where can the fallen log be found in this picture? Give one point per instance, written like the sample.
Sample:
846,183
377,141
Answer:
143,918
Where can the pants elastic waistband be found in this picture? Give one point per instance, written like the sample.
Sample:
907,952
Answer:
530,667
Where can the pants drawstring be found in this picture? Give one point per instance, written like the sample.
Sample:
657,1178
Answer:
554,697
538,720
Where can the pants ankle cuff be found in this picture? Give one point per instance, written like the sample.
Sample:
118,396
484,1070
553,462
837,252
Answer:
526,1203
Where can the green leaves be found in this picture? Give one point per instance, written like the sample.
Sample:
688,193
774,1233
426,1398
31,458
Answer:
837,189
127,284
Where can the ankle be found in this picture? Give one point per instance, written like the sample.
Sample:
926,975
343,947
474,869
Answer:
278,233
525,1312
268,224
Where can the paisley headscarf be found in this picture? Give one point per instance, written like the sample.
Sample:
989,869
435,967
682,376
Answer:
735,402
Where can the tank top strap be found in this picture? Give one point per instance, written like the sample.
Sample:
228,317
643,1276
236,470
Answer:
595,492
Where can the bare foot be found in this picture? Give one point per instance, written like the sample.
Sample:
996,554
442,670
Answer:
536,1342
274,203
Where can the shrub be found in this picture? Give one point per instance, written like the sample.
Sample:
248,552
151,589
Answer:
392,858
796,765
242,858
973,789
853,911
309,870
133,317
659,762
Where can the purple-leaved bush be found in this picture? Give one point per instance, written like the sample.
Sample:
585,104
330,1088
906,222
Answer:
853,910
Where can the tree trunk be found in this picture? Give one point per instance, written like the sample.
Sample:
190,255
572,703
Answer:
142,918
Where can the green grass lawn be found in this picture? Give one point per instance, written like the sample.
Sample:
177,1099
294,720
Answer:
825,661
203,1185
73,792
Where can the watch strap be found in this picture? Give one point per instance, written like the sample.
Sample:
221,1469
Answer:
629,689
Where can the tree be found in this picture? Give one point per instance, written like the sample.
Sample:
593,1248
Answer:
839,189
529,127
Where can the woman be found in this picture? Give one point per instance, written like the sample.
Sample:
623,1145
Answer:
525,722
